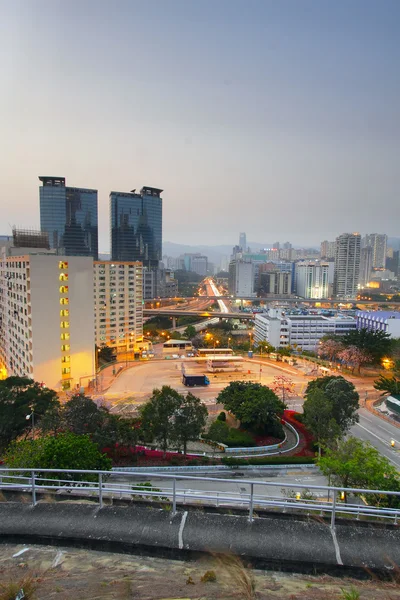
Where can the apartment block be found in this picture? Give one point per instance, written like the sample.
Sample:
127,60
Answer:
347,265
46,317
314,279
118,304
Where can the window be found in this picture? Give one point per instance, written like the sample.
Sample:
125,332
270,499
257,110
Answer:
64,313
63,289
64,301
62,265
64,324
64,336
65,347
63,277
66,370
66,359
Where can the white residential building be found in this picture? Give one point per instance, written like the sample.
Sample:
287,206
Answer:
347,265
378,243
46,310
328,249
314,279
118,305
303,331
241,278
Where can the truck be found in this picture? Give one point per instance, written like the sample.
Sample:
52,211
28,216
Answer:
195,380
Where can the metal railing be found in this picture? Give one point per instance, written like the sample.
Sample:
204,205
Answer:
253,495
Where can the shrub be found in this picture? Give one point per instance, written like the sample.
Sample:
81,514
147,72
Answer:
218,432
267,460
221,417
209,576
240,439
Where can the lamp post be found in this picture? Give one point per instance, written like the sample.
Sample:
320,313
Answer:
32,416
229,339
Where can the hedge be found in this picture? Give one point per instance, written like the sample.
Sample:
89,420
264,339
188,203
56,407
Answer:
267,460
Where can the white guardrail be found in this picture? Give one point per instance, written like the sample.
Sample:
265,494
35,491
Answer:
253,494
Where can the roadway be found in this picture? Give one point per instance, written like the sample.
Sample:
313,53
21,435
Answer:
379,433
168,312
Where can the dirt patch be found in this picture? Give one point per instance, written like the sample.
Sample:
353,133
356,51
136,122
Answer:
66,573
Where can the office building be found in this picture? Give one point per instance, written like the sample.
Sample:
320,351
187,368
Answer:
243,242
380,320
69,216
46,310
301,331
328,249
136,226
314,279
392,262
241,278
378,243
274,283
366,258
118,305
199,265
347,265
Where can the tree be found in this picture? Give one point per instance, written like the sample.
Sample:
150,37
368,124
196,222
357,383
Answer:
106,354
354,463
329,348
19,397
218,432
354,357
65,451
283,387
318,419
256,406
189,420
175,335
377,344
157,415
265,347
190,332
343,397
388,385
81,415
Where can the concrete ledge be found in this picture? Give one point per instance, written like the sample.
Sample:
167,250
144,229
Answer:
281,541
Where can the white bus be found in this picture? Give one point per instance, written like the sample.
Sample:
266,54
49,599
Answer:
177,346
224,364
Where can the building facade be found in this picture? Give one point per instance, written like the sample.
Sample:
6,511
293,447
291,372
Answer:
118,305
301,331
314,279
70,217
328,249
274,283
46,309
136,226
347,265
378,243
366,259
380,320
243,241
241,278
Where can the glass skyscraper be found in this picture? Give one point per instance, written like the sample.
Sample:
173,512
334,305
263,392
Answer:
69,216
136,226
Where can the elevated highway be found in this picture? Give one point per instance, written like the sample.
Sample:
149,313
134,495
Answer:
285,299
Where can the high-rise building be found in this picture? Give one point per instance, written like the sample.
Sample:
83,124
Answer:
243,242
378,243
136,226
328,249
118,305
241,278
199,265
276,283
392,262
314,279
347,265
365,265
47,325
69,216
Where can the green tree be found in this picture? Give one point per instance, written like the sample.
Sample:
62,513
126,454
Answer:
116,431
387,385
265,347
354,463
375,343
190,332
158,414
218,432
81,415
343,397
318,419
19,397
65,451
256,406
106,354
189,420
175,335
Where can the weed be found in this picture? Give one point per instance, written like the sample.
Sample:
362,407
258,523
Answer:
236,575
9,591
189,581
209,576
351,594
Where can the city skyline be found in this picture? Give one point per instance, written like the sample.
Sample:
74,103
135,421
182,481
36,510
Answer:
237,113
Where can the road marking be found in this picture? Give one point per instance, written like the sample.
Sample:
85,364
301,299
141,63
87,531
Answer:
180,533
336,545
374,434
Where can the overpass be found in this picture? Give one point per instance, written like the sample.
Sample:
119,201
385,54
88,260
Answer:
154,312
330,301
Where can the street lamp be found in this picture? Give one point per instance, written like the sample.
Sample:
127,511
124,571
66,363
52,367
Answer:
229,339
32,416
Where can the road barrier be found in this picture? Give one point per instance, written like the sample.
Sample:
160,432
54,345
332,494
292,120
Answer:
329,500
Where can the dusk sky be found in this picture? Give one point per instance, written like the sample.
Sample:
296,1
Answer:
280,118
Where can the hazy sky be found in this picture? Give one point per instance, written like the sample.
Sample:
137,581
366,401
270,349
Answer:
280,118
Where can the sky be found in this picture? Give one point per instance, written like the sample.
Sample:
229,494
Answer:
277,118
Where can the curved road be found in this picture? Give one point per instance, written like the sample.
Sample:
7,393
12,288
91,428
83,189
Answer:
379,433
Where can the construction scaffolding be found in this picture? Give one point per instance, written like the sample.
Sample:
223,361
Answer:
30,238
